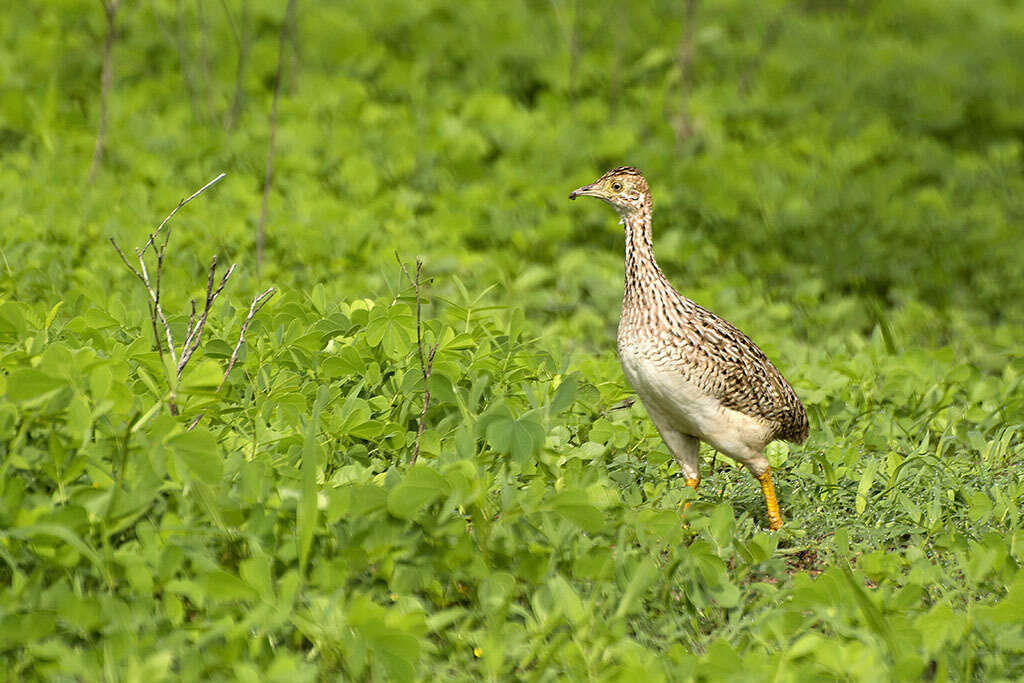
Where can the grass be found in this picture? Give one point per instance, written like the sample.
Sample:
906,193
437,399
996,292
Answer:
850,196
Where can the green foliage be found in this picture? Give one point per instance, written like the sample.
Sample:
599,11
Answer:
851,196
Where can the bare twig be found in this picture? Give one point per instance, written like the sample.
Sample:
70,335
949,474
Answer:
683,122
621,405
269,172
196,325
124,259
258,302
191,320
143,275
107,76
192,341
182,203
156,332
160,253
426,365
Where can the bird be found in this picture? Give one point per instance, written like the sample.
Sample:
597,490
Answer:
698,376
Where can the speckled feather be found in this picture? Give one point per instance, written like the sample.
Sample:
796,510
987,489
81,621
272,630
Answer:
671,331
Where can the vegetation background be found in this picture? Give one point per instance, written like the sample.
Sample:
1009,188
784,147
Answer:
842,180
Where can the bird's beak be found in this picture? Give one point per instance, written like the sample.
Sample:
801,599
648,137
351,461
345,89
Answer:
585,191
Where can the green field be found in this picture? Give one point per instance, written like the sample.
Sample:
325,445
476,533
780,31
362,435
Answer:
842,180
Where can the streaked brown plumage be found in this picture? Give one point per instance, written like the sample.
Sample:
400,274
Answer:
700,378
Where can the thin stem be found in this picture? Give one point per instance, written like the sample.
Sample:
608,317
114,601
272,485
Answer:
258,302
204,61
684,123
186,69
192,343
182,203
106,78
156,313
426,366
241,39
269,171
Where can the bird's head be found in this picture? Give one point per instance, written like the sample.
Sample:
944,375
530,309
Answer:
623,188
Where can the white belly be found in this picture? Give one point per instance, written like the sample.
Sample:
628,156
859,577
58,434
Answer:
677,404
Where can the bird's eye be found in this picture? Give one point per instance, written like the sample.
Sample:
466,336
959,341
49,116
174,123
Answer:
616,186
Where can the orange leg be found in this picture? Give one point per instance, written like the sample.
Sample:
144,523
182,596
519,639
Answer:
693,484
774,515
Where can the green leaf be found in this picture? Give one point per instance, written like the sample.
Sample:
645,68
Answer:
99,319
368,429
575,505
394,648
355,413
864,487
99,382
495,590
27,628
219,585
62,533
201,378
980,507
12,322
420,487
520,437
565,395
79,419
257,573
1008,611
642,577
347,363
397,652
199,451
872,615
567,598
29,385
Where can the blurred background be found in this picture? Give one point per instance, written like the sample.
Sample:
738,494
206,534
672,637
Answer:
838,159
844,181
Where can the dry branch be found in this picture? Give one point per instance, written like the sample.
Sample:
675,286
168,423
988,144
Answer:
258,302
107,76
156,310
196,324
182,203
426,363
289,15
195,334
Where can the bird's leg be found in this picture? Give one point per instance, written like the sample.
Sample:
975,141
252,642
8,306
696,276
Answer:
768,488
686,450
693,484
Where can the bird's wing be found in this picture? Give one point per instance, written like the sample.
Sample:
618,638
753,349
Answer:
727,364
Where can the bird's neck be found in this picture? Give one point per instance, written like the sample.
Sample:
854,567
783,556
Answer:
643,276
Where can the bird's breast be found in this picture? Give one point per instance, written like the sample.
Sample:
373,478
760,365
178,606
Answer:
665,392
662,388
